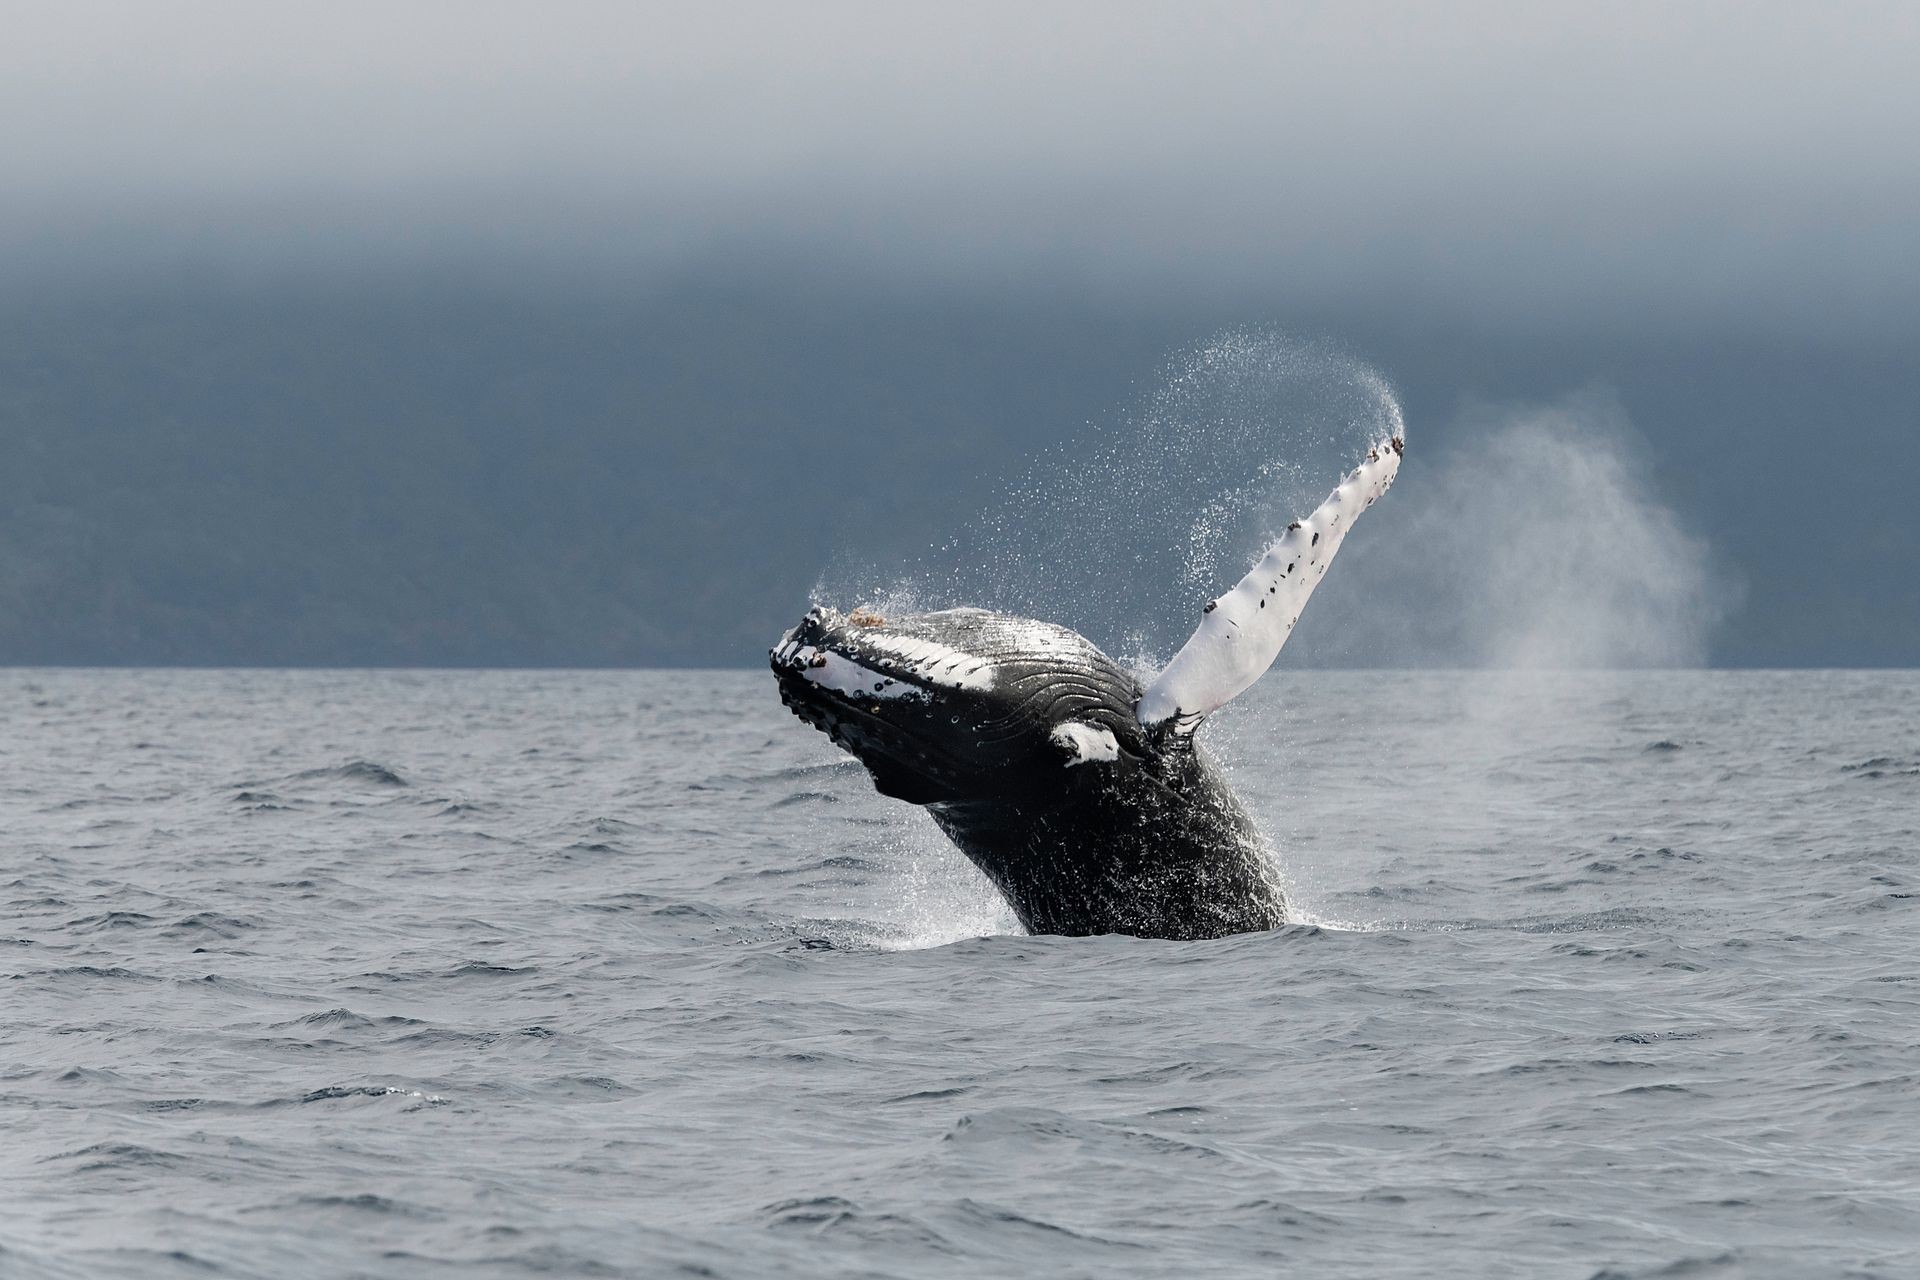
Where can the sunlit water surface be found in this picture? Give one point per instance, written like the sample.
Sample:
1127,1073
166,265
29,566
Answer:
510,974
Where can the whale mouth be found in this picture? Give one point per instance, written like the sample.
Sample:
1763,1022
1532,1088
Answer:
823,658
859,657
824,671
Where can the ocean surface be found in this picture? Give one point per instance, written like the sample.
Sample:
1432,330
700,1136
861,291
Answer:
607,974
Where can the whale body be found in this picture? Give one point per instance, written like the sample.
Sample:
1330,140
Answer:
1079,792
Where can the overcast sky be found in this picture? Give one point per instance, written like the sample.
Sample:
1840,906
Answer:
1735,162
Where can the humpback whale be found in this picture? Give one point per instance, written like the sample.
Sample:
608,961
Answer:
1080,793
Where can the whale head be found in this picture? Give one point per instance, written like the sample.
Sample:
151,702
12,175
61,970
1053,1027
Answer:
960,704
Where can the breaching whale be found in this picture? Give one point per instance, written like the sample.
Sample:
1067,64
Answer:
1082,795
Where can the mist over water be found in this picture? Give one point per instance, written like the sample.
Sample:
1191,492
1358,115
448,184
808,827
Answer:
1534,539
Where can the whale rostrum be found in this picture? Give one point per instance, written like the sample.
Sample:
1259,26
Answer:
1084,797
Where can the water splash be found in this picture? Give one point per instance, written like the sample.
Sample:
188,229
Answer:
1122,532
1535,539
936,896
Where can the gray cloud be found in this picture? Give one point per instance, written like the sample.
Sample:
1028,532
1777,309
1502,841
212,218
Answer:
1731,162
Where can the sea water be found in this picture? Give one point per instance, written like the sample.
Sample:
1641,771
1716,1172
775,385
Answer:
515,974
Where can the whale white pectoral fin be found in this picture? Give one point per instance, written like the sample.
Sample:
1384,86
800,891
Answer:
1243,630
